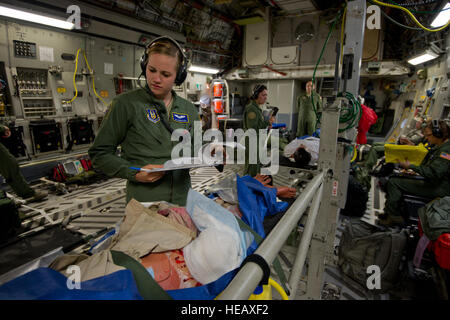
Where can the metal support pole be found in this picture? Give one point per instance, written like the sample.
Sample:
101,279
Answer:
323,227
304,243
336,69
334,155
247,279
352,51
354,38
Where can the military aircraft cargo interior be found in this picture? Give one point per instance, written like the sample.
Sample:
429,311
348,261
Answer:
225,150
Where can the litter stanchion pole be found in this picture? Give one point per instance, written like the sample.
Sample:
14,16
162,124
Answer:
304,243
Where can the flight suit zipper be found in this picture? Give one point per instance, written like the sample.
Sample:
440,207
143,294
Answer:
170,172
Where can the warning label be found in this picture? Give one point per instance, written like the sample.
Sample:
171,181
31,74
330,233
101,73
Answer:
335,188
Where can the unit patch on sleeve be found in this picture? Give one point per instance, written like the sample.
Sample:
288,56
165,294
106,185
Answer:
180,117
251,115
445,155
153,115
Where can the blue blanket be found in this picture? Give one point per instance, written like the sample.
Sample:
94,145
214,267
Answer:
256,202
48,284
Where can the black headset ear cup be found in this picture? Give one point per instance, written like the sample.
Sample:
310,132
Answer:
436,129
143,62
182,73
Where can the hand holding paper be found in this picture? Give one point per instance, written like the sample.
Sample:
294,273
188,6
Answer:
146,175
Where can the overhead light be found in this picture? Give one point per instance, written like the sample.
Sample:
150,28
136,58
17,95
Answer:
203,70
424,57
443,17
36,18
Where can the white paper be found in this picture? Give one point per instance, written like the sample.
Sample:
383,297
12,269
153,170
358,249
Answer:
108,68
46,54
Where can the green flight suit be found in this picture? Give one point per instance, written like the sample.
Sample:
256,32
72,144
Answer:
253,119
375,153
9,169
133,121
435,168
307,119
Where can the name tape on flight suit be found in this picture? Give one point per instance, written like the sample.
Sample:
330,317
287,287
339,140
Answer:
180,117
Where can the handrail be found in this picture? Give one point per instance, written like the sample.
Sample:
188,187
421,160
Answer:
249,276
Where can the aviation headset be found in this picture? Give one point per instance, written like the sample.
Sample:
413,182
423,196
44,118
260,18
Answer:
436,129
182,70
257,90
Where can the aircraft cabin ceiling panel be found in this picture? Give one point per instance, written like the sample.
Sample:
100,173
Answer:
296,6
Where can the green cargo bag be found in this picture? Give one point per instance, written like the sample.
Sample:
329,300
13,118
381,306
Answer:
363,245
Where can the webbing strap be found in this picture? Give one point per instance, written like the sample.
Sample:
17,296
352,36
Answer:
279,270
262,263
420,249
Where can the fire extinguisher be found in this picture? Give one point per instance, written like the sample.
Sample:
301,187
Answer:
220,94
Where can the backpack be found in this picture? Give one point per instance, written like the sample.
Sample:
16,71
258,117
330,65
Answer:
363,245
435,217
9,217
357,197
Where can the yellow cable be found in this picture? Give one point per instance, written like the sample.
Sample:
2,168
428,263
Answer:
411,15
354,154
93,81
74,74
277,287
87,63
90,71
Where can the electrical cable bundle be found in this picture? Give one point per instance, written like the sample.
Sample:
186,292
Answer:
90,72
395,6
